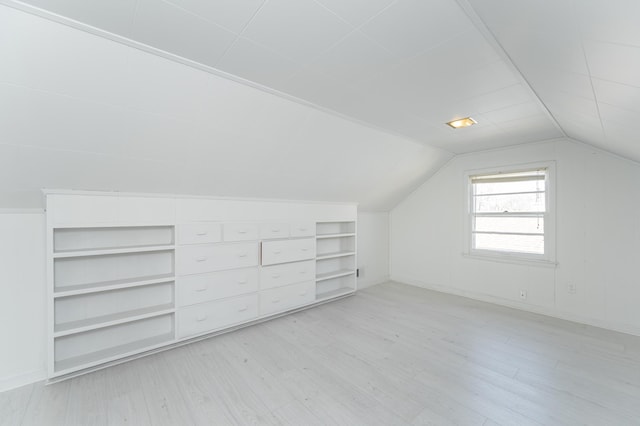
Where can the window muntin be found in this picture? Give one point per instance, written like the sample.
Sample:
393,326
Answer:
508,212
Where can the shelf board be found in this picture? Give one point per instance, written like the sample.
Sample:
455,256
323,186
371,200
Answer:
334,255
335,274
334,293
111,354
111,250
324,236
75,290
81,326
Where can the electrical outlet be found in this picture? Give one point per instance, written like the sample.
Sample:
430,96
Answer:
523,294
572,288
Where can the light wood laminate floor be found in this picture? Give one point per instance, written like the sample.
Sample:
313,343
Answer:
391,355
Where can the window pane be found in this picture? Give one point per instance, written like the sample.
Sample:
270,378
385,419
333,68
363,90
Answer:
509,203
510,243
502,187
527,225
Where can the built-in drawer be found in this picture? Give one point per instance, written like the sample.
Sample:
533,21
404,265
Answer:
211,316
240,231
199,233
303,229
215,257
284,251
282,298
200,288
269,231
287,273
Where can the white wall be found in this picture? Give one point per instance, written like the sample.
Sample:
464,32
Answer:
373,248
598,238
22,298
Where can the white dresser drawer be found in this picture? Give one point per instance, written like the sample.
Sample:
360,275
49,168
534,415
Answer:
282,298
199,233
240,231
274,252
215,257
194,289
270,231
210,316
287,273
303,229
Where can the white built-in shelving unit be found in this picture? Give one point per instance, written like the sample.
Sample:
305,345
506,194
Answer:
335,259
134,274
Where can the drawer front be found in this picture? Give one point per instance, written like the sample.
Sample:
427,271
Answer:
240,231
288,273
270,231
216,315
274,252
215,257
303,229
282,298
199,233
194,289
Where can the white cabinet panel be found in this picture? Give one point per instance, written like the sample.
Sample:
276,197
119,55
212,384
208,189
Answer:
199,233
274,252
146,210
269,231
64,210
287,273
303,229
194,289
215,257
210,316
282,298
240,231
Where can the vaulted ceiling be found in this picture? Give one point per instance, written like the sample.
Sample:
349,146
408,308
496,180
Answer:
525,70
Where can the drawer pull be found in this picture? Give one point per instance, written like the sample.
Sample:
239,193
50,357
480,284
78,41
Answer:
275,276
243,309
243,254
304,249
242,231
302,229
201,259
275,301
303,272
277,251
304,293
201,318
243,281
201,234
201,289
275,230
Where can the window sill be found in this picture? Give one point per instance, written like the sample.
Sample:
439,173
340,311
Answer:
512,260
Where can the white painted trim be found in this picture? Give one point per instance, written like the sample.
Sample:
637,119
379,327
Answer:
51,191
512,259
42,13
34,210
541,310
22,379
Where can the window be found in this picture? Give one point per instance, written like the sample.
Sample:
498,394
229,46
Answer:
510,213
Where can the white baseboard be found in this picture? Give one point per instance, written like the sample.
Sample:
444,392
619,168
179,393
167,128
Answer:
365,282
23,379
619,327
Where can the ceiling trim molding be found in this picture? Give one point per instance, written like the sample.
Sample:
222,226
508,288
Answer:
42,13
480,25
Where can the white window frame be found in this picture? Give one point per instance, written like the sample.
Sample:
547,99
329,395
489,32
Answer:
549,256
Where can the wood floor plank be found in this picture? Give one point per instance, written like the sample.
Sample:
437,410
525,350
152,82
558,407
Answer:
390,355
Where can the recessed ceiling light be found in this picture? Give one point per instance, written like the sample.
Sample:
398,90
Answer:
463,122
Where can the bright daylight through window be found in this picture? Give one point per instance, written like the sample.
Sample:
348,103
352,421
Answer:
508,212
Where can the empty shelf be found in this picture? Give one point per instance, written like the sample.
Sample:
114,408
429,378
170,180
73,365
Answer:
334,274
74,290
107,251
333,255
334,293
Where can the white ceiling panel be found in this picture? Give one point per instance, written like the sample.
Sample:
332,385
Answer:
614,62
356,12
114,15
256,63
230,14
409,27
300,29
172,29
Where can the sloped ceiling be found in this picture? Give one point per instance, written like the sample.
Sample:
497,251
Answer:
525,70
